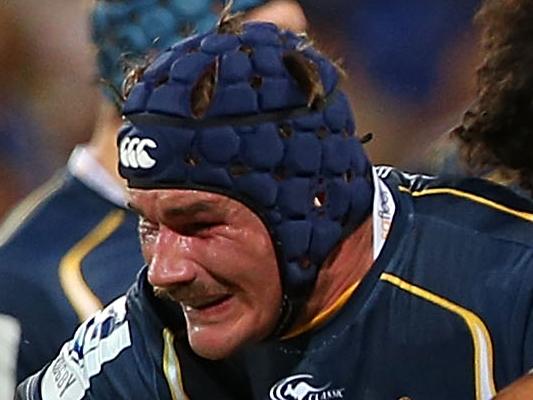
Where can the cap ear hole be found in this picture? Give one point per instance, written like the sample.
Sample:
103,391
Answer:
319,200
304,262
348,176
256,82
238,169
322,132
246,49
280,173
346,133
204,90
162,80
192,160
285,131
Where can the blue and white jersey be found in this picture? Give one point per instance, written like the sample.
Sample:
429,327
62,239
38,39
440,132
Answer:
65,251
444,313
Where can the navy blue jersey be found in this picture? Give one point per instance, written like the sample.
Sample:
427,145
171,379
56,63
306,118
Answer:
444,313
65,251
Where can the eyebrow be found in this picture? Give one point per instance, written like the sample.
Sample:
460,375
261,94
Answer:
192,209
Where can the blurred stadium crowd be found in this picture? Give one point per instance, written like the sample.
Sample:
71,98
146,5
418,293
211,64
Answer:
410,71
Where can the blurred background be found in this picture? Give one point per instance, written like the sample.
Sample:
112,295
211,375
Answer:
410,73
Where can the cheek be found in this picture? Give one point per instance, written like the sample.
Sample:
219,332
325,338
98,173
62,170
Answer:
247,259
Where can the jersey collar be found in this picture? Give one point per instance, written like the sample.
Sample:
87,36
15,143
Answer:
85,167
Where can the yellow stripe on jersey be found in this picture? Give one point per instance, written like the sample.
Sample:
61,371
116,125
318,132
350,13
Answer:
171,367
324,315
81,297
27,206
478,199
483,354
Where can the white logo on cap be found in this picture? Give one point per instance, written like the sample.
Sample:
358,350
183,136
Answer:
133,153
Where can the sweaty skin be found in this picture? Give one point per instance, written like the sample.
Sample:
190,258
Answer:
214,257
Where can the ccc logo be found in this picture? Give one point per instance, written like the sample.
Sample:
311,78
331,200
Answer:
133,152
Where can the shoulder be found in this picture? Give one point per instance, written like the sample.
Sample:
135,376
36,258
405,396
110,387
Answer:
58,206
46,224
466,203
31,208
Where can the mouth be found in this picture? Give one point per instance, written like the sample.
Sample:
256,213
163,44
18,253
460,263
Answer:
204,303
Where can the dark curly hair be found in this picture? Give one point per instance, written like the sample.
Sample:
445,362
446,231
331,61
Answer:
497,130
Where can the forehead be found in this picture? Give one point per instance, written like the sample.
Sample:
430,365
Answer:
181,201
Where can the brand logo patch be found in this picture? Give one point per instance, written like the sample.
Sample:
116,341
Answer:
301,387
133,153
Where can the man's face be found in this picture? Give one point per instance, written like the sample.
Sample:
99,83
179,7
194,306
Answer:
214,257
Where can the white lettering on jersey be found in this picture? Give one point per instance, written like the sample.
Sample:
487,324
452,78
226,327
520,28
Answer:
133,152
97,341
301,387
9,347
383,213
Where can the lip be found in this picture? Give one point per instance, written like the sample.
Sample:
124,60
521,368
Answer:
201,303
207,308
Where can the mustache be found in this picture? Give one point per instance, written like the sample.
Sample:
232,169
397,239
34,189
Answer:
191,291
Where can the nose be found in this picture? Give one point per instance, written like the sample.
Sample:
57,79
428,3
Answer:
171,263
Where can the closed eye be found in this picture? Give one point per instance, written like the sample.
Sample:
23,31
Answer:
196,228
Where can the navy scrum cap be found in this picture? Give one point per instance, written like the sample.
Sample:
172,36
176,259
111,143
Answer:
128,29
254,113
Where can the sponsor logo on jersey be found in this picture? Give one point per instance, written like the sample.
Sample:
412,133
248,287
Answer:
303,387
383,214
62,376
134,153
383,171
97,341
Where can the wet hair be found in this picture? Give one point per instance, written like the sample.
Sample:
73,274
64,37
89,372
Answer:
496,132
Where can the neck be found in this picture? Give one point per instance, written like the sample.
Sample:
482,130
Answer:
342,271
103,145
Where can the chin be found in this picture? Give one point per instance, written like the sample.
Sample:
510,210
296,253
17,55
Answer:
217,338
214,345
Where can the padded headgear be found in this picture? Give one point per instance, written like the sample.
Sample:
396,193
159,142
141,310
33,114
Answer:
133,28
298,166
